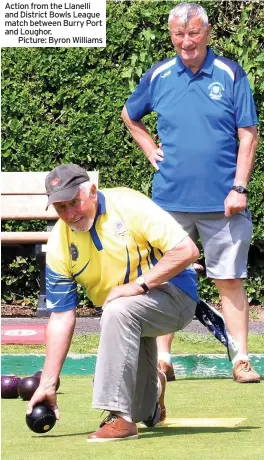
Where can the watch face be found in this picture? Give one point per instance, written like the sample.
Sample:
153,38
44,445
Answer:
239,189
140,280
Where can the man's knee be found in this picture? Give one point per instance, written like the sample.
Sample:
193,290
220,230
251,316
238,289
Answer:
229,285
116,311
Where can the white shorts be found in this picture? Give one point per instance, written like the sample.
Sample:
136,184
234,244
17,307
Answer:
225,240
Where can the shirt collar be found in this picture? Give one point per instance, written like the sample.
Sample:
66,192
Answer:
101,204
207,66
100,210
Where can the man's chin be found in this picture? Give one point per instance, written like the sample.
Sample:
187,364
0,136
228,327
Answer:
188,55
82,226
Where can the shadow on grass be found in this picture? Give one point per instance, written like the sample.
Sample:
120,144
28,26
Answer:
61,435
172,431
195,377
168,431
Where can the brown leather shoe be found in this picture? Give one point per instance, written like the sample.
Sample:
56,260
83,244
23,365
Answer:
114,428
167,369
243,372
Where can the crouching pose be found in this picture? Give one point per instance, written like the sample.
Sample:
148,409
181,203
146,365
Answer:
135,260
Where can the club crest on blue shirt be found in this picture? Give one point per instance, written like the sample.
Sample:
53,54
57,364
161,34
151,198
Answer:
166,74
74,252
216,90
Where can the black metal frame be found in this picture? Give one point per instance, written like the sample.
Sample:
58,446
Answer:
42,311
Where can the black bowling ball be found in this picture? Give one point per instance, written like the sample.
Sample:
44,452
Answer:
9,384
42,419
27,387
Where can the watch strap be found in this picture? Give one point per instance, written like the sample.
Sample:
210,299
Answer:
141,282
240,189
144,286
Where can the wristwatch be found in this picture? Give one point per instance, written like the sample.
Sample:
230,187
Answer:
141,282
240,189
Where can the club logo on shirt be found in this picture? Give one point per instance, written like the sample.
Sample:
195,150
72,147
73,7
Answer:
166,74
216,90
74,252
119,228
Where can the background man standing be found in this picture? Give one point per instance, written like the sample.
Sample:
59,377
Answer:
207,128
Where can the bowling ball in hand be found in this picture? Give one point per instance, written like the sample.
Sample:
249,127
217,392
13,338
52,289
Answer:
38,375
9,384
27,387
42,419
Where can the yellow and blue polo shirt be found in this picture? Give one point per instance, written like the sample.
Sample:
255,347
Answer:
129,236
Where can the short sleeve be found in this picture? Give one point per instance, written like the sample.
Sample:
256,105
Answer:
245,111
139,103
61,288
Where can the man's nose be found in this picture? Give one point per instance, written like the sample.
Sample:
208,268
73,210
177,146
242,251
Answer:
187,41
70,212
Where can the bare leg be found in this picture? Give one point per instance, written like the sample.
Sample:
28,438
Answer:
164,343
164,359
235,310
236,314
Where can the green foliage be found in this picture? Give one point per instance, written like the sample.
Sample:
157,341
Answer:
63,104
20,280
254,285
207,290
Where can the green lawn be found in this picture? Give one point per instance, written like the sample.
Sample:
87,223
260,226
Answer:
184,342
184,399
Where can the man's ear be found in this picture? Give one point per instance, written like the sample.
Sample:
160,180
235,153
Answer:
93,191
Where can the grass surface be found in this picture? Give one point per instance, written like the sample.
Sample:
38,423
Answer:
184,342
184,399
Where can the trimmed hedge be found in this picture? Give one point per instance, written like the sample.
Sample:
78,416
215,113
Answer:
63,105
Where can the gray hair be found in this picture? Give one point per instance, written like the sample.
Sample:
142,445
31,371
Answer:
186,11
86,186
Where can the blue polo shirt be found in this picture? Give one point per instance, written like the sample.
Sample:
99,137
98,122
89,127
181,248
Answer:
197,120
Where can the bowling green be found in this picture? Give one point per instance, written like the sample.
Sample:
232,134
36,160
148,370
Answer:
221,420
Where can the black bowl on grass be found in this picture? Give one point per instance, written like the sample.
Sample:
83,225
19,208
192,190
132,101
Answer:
27,387
9,384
